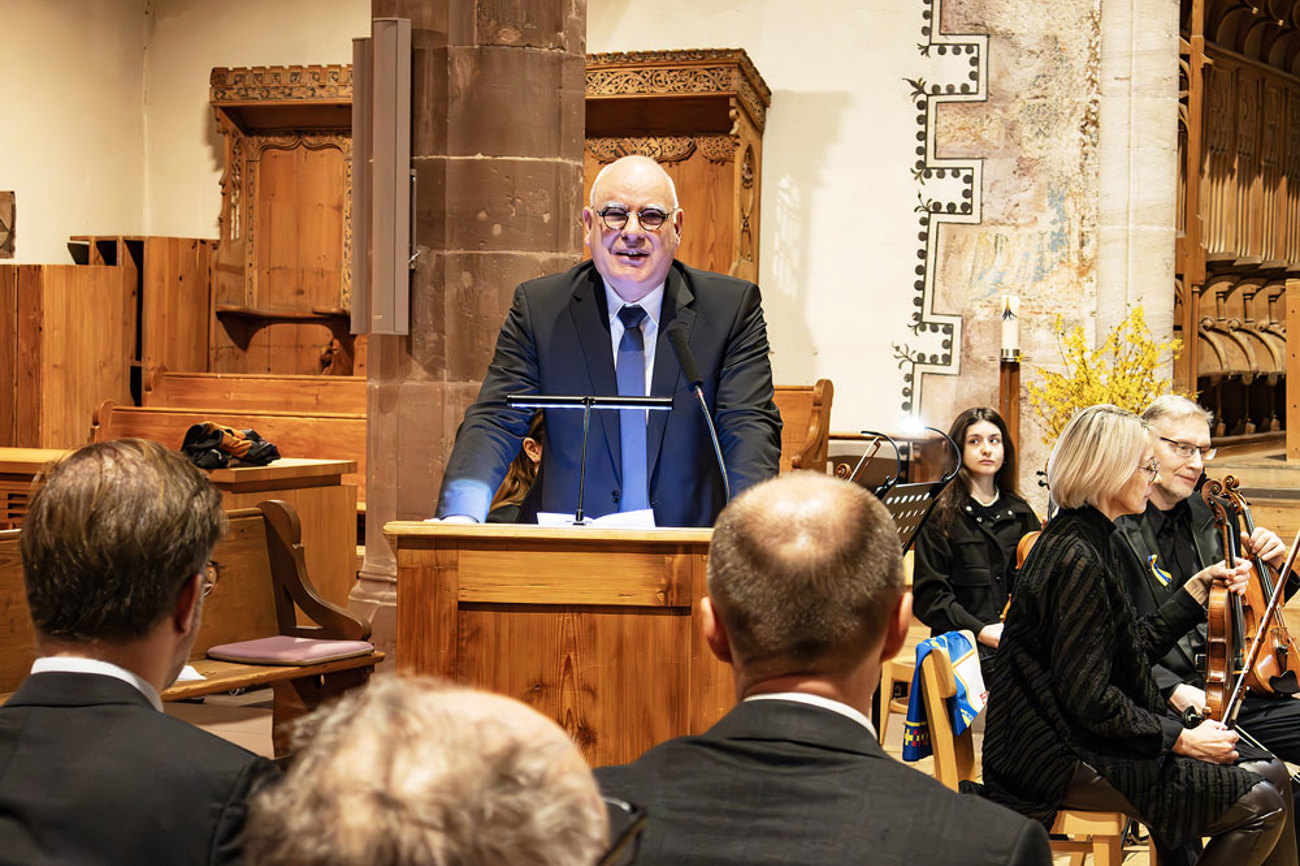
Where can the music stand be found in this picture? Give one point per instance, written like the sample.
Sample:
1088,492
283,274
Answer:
587,404
909,504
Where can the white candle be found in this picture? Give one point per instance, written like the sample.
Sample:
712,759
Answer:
1010,324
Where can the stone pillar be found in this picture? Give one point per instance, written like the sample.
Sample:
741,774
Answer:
497,145
1137,152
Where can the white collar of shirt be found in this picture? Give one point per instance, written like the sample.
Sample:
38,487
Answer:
78,665
653,304
818,701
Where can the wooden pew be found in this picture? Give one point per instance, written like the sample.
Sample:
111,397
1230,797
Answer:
263,576
257,392
805,424
325,435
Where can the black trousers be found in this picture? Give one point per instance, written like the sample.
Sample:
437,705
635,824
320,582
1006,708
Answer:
1274,722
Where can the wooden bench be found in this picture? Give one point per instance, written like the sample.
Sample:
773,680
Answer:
263,576
805,424
256,392
325,435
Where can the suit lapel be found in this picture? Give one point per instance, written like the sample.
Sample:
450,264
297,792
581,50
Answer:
667,376
592,322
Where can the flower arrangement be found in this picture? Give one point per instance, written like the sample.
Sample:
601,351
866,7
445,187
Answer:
1123,370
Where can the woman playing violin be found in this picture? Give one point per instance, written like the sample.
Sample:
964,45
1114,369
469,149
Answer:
966,551
1075,719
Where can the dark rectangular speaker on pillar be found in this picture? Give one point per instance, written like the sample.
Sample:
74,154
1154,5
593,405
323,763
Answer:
381,176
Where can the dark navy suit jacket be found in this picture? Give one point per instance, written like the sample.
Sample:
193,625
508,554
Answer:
782,782
556,341
91,773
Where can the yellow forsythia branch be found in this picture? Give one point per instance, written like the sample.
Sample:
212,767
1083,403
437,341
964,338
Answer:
1124,370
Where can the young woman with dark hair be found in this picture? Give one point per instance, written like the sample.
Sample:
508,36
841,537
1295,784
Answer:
966,552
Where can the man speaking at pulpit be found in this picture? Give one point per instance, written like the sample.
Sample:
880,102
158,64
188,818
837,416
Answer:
606,328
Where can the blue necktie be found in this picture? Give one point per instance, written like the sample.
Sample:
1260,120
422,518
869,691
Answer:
631,383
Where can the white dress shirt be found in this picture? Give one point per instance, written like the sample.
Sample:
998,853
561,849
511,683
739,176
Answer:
818,701
78,665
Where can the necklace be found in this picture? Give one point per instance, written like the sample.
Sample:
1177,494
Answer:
997,494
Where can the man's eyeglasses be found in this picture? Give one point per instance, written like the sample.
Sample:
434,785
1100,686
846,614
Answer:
651,218
1152,470
1187,449
211,577
625,825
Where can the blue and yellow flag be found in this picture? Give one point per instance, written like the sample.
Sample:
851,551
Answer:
1160,574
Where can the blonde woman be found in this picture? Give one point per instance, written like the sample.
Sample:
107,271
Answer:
1075,719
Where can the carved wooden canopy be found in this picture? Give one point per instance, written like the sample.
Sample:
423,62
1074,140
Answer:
712,74
262,98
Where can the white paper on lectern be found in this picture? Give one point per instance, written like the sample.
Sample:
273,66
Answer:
188,675
643,519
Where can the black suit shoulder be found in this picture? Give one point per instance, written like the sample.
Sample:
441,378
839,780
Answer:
142,786
777,782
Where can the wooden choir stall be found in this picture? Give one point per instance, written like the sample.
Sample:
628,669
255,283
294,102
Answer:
596,628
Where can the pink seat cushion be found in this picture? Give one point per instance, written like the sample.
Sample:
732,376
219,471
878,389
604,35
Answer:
286,650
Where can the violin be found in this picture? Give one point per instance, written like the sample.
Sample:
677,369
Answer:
1275,671
1235,622
1226,620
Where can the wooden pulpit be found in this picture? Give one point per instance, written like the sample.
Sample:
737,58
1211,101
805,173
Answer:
596,628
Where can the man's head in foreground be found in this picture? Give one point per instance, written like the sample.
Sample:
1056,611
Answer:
410,770
115,547
806,588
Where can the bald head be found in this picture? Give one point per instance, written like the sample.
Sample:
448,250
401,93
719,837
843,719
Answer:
412,770
804,569
641,170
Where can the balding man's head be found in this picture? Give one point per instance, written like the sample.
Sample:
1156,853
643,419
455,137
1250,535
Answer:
410,770
804,570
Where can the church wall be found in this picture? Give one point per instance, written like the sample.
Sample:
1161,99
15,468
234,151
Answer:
1068,133
72,135
188,38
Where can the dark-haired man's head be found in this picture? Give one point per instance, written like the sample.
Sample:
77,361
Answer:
114,548
805,583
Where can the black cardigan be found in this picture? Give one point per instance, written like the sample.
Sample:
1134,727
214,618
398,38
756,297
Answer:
1071,682
962,575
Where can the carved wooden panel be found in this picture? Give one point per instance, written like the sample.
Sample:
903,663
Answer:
1239,185
281,275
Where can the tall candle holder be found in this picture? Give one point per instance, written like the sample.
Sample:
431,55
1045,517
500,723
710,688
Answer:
1009,368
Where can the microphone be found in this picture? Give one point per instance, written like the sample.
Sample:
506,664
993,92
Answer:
676,334
685,357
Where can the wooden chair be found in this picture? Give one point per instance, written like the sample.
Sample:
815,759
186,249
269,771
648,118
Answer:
1098,833
805,424
263,582
899,669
